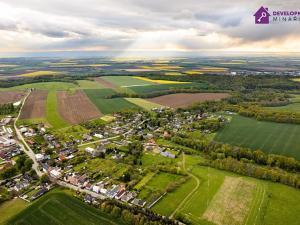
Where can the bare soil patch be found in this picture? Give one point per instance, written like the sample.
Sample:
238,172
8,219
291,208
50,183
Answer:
231,204
10,96
35,105
183,100
106,84
76,108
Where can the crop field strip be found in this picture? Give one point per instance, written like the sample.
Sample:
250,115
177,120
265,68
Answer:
106,105
105,83
125,81
165,87
143,103
49,86
76,108
35,105
40,73
52,114
59,208
186,99
89,84
277,138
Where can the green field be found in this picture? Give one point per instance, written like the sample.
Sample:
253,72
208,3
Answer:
45,86
108,106
277,138
59,86
105,105
60,208
143,103
293,107
164,87
53,116
89,84
95,94
263,203
10,208
125,80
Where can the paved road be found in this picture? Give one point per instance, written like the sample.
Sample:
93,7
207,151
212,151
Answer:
100,140
75,188
26,148
110,138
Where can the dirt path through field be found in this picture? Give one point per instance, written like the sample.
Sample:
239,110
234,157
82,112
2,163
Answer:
191,193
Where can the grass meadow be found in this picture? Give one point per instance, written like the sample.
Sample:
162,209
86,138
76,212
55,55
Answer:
143,103
220,195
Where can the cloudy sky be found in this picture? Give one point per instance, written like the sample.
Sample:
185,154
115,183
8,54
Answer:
143,25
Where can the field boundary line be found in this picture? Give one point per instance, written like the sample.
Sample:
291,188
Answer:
260,205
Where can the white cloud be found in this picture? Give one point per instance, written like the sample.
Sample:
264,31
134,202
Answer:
142,25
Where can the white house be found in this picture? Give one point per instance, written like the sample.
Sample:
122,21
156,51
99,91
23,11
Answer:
100,136
55,173
39,157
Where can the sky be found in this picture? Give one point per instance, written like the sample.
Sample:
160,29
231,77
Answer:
144,25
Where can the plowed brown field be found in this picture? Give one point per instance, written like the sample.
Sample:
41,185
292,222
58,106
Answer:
182,100
76,108
35,105
10,96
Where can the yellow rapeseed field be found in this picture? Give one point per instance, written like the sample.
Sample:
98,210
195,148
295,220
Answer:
296,79
161,67
39,73
193,72
161,81
203,70
79,65
7,65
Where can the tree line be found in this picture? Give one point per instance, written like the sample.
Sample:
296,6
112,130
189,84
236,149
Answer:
283,168
133,214
8,108
253,170
22,165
